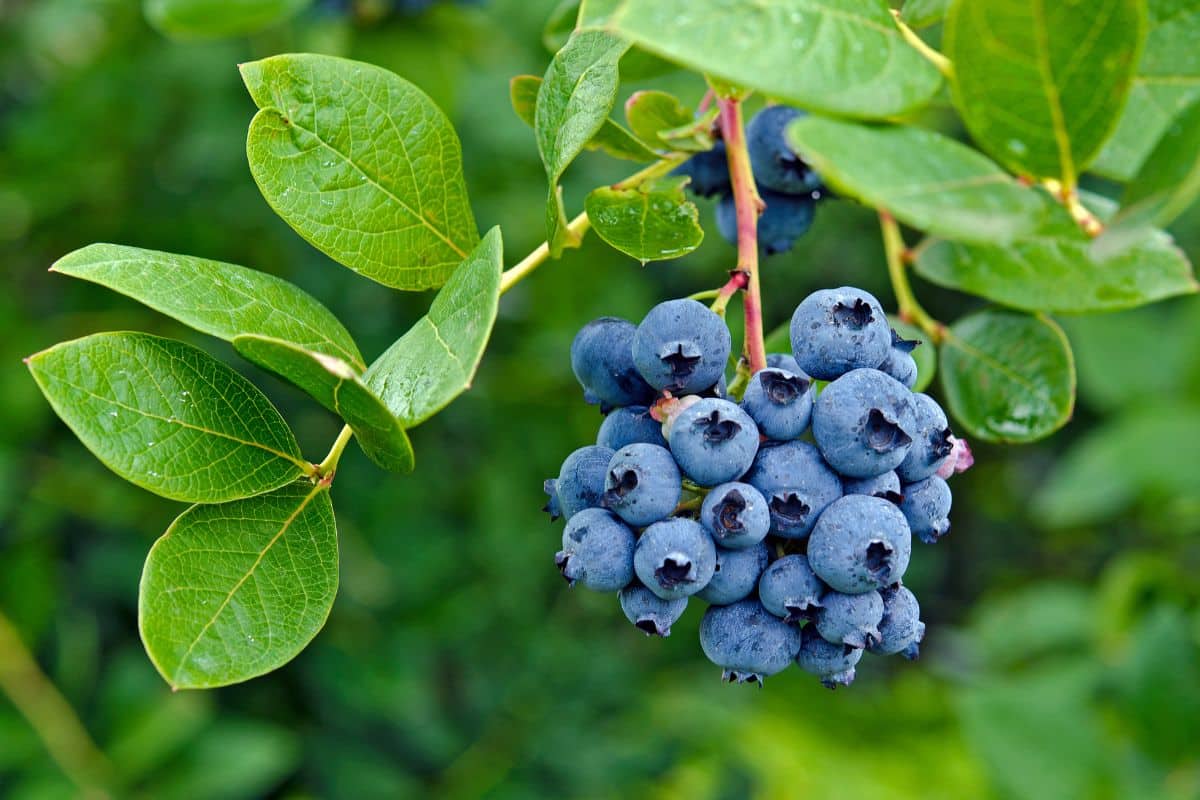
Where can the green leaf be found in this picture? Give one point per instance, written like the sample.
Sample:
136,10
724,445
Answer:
363,165
611,138
573,102
213,19
841,57
1008,377
222,300
650,112
924,179
1055,270
233,591
338,387
1167,82
1147,452
1040,85
436,360
168,417
652,222
925,354
923,13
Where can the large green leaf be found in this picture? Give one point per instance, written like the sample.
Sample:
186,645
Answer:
573,102
651,222
201,19
1008,377
1167,81
222,300
233,591
361,163
1055,270
923,13
840,56
925,179
612,139
436,359
338,387
168,417
1040,85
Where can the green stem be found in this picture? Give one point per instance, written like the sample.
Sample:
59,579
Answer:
939,61
327,468
51,717
580,225
910,309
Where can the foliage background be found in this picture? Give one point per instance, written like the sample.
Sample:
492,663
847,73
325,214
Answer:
1063,654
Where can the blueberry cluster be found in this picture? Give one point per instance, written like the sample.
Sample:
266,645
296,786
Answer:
789,187
790,513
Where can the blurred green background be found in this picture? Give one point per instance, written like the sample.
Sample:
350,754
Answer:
1063,652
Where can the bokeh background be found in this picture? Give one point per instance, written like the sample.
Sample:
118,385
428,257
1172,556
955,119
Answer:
1063,651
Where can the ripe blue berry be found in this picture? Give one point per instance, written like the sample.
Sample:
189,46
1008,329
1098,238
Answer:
901,629
580,482
735,515
791,590
642,484
775,164
932,441
926,506
784,220
832,663
899,362
797,483
630,426
597,551
864,423
602,360
860,543
709,171
779,402
736,575
836,330
785,361
851,619
675,558
713,441
681,346
747,642
649,612
886,486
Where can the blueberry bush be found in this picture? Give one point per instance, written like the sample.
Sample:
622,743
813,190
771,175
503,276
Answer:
770,440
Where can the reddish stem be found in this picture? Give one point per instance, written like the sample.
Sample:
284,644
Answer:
738,280
749,205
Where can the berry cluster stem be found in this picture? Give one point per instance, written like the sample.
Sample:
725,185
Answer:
737,281
748,205
910,310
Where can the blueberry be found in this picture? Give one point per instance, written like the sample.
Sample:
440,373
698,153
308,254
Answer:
713,441
747,642
836,330
602,360
642,484
932,441
832,663
864,423
779,402
736,575
784,220
886,486
648,611
580,482
899,362
791,590
630,426
851,619
901,629
926,506
735,515
860,543
681,346
675,558
797,483
775,164
709,171
597,551
784,361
